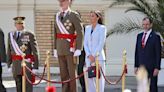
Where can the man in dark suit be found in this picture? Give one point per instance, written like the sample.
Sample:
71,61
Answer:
2,59
148,53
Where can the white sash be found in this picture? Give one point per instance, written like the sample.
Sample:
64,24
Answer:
62,29
61,26
15,45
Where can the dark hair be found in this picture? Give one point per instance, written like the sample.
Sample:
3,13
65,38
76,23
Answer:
99,15
150,20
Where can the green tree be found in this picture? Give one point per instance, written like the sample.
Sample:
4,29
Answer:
153,9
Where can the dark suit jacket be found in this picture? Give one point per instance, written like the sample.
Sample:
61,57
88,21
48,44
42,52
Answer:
2,47
2,58
150,55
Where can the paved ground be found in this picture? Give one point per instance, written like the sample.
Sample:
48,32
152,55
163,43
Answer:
130,83
10,85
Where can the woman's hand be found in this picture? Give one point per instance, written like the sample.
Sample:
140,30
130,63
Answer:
91,58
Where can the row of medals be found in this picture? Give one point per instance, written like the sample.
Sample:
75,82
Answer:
67,24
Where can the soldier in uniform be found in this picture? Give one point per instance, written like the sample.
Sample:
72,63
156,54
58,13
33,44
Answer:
22,41
2,59
68,42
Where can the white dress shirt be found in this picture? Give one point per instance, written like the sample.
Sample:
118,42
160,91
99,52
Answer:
147,35
65,12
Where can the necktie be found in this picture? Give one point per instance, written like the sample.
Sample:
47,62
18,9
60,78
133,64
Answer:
62,15
143,40
18,35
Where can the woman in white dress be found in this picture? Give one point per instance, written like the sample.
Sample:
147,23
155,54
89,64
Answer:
94,41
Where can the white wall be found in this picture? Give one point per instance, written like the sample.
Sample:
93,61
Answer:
8,10
117,43
7,24
29,21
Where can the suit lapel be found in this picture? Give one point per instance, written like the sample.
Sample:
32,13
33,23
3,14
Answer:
89,31
149,38
140,40
96,29
89,36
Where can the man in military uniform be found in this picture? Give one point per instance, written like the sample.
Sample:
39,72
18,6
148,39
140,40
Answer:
22,41
2,59
67,43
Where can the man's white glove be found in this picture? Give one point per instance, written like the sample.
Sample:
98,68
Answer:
77,53
35,71
3,64
55,53
10,70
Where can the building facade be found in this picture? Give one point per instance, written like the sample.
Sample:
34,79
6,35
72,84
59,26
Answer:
40,17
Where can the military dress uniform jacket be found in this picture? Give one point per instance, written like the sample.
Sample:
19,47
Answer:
28,39
72,23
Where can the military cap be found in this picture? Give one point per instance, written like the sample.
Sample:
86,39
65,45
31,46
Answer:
19,19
